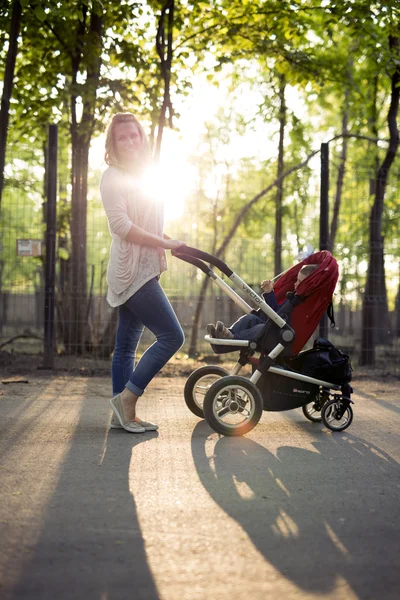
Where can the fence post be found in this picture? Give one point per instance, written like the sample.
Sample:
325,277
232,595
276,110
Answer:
50,258
324,219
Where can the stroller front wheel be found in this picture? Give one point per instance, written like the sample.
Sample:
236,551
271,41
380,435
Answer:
197,385
337,414
233,406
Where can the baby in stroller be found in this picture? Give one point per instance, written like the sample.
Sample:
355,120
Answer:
280,379
249,326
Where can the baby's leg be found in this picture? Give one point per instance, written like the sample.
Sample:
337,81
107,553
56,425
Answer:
244,323
252,333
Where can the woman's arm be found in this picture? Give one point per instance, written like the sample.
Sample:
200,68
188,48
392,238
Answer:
112,195
137,235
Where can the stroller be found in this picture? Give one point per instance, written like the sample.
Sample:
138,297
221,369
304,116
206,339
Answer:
283,378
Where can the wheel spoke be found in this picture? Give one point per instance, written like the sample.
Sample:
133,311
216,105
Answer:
333,418
239,416
233,406
224,411
202,390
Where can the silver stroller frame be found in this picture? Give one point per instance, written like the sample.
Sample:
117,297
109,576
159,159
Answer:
207,398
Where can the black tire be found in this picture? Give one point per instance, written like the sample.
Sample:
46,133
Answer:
311,413
312,410
237,399
195,389
330,418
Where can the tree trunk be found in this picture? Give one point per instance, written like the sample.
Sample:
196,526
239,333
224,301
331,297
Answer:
8,85
78,268
164,50
192,352
374,301
106,345
297,226
279,191
397,310
340,177
384,333
383,322
77,333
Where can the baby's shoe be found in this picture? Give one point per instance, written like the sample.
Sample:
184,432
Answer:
211,330
223,332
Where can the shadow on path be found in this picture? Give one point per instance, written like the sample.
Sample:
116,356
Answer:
91,545
315,515
378,401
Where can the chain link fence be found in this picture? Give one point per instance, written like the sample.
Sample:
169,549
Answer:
22,265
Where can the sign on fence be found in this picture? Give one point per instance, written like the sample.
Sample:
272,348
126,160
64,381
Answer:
29,247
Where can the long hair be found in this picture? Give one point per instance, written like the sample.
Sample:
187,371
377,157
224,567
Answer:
110,155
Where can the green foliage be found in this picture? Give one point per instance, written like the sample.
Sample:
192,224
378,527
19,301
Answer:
335,59
22,218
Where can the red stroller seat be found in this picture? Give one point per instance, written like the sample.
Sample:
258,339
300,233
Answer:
316,290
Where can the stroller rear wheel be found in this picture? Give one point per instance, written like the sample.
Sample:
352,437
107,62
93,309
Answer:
312,410
337,414
233,406
197,385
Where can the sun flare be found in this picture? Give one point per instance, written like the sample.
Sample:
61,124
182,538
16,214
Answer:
172,179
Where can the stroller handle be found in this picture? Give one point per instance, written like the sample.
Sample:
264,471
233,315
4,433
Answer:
192,255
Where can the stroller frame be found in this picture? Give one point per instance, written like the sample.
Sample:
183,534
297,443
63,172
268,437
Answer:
229,394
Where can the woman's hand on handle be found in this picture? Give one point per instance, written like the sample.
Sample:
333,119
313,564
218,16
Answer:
170,244
137,235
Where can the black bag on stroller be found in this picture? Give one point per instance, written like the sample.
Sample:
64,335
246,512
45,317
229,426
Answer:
324,361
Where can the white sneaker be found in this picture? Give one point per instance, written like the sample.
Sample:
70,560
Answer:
115,424
148,426
131,426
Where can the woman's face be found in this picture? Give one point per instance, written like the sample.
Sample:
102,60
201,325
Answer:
128,142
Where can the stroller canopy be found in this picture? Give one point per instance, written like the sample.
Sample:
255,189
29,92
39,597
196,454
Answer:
316,290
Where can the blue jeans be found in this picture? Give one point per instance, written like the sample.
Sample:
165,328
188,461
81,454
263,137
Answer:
148,307
248,327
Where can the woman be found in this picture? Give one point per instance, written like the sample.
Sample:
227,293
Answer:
137,258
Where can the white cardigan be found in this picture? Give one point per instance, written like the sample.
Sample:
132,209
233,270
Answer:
130,265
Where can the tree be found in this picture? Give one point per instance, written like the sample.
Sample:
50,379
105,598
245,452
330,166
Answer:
281,166
375,291
16,11
80,37
164,50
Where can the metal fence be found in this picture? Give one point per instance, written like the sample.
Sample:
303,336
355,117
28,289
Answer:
24,307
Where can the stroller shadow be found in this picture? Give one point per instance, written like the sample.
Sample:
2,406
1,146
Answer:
301,507
91,544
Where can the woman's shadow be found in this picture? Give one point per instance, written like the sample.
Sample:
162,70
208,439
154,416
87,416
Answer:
310,513
91,545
